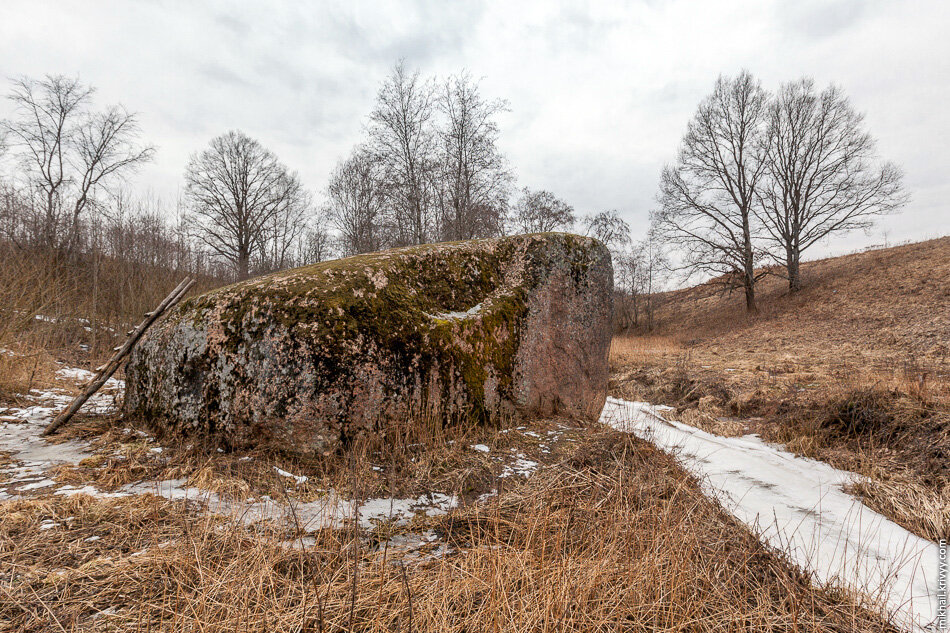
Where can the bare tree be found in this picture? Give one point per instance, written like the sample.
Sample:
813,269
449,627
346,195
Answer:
279,239
706,199
541,211
475,181
317,245
609,228
356,203
638,274
240,197
823,176
402,138
69,152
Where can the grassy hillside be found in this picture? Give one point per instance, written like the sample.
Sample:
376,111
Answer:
871,307
854,369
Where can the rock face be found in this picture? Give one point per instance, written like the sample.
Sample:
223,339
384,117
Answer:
311,359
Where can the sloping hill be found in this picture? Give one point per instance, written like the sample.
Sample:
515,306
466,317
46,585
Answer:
878,307
853,370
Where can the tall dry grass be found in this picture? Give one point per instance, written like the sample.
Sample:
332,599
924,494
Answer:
613,536
75,308
887,422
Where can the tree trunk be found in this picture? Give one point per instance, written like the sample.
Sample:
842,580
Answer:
792,259
243,265
748,274
750,296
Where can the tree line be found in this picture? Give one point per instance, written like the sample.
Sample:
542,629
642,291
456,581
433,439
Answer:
760,178
429,168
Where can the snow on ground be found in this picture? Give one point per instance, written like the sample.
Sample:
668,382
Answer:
33,456
331,511
75,373
521,466
20,429
798,506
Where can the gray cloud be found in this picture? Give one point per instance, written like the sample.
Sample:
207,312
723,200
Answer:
600,93
818,19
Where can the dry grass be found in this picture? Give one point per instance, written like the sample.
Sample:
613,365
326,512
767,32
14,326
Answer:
853,370
609,535
22,369
79,307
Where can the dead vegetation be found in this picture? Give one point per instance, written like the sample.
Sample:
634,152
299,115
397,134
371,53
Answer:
853,370
608,534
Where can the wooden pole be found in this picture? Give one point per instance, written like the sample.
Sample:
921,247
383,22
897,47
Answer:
105,372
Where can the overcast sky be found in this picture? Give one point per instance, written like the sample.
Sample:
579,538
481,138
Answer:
600,93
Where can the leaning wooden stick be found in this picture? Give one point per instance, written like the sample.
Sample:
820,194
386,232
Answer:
105,372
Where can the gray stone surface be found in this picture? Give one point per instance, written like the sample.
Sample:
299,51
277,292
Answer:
313,358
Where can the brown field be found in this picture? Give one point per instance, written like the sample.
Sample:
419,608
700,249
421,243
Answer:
609,534
854,370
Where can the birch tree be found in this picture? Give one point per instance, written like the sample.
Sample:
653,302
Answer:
68,152
539,211
474,178
356,204
402,138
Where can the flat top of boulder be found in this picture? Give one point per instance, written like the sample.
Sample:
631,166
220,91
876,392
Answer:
399,285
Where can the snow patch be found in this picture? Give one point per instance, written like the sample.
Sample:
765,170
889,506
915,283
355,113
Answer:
300,479
797,505
42,483
455,316
75,373
521,466
331,511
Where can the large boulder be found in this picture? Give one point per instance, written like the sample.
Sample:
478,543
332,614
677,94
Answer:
312,358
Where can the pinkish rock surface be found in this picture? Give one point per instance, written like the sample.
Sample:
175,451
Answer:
314,358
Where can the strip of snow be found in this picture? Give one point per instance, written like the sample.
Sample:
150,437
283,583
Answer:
331,511
455,316
797,505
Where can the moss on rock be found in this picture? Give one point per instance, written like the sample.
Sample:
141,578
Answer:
312,358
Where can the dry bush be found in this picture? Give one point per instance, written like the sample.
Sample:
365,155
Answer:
899,442
613,535
23,371
76,308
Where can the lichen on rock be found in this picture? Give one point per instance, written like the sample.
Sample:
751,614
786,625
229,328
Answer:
312,358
